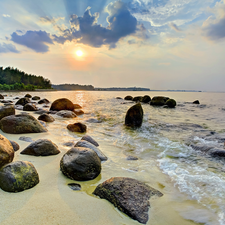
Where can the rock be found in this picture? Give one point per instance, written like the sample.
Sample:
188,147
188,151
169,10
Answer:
158,101
21,124
134,116
36,98
78,112
28,96
77,106
66,114
18,176
27,139
128,195
43,123
196,102
6,151
7,104
138,99
41,147
77,127
62,104
17,98
146,99
69,144
74,186
80,164
30,107
46,118
171,103
92,120
15,146
87,144
130,157
217,152
18,107
6,111
1,96
23,101
128,97
118,98
46,106
90,139
43,101
41,111
6,101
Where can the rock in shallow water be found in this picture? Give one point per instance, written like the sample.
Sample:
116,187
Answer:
6,111
77,127
15,146
66,114
23,101
90,139
46,118
62,104
74,186
134,116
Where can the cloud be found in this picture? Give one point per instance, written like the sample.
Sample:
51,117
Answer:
174,26
36,40
53,21
164,64
6,15
5,48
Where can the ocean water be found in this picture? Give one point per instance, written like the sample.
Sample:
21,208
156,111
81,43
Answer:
193,183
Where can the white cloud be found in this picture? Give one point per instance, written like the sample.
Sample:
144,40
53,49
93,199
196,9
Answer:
6,15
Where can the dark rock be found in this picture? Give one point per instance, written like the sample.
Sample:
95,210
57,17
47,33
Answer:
6,151
118,98
80,164
7,104
128,97
134,116
146,99
74,186
77,127
46,118
62,104
18,176
46,106
6,101
171,103
69,144
87,144
92,120
196,102
27,139
36,98
128,195
23,101
41,147
18,107
217,152
15,146
43,101
130,157
77,106
90,139
17,98
21,124
30,107
6,111
1,96
28,96
159,100
78,112
41,111
138,99
66,114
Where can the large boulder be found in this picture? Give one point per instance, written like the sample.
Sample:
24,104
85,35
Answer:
6,151
134,116
80,164
21,124
62,104
30,107
159,100
46,118
41,147
87,144
18,176
36,98
6,111
77,127
66,114
128,97
23,101
171,103
43,101
146,99
128,195
15,145
90,139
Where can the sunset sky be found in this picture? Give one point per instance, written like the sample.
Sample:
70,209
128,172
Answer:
157,44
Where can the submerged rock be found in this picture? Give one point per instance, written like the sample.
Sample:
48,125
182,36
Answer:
6,111
130,196
62,104
80,164
66,114
77,127
159,100
15,146
134,116
130,157
30,107
23,101
46,118
171,103
128,97
90,139
18,176
74,186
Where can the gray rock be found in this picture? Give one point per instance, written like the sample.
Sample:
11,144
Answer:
66,114
69,144
90,139
19,107
15,145
130,157
74,186
27,139
92,120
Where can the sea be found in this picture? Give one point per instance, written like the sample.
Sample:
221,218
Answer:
191,180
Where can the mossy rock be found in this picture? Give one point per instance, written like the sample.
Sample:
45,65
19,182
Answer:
134,116
146,99
62,104
30,107
159,100
18,176
23,101
171,103
128,97
7,111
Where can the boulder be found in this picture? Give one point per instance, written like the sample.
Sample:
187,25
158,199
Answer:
134,116
128,97
80,164
77,106
28,96
30,107
77,127
15,146
90,139
66,114
159,100
138,99
1,96
18,176
27,139
36,98
43,101
6,111
46,118
41,147
6,151
78,112
23,101
171,103
130,196
196,102
21,124
87,144
146,99
62,104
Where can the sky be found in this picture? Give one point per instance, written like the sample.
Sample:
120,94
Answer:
156,44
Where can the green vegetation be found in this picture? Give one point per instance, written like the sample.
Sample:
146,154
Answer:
74,87
14,79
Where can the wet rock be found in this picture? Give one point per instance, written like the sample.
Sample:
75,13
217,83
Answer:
46,106
18,176
90,139
6,151
159,100
41,147
15,146
201,147
43,123
43,101
20,124
17,98
80,164
130,157
77,106
6,111
78,112
118,98
196,102
217,152
87,144
171,103
66,114
74,186
7,104
128,195
134,116
46,118
138,99
41,111
77,127
28,96
27,139
128,97
6,101
62,104
146,99
69,144
36,98
30,107
22,101
1,96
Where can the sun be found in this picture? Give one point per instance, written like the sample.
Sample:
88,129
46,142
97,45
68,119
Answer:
79,53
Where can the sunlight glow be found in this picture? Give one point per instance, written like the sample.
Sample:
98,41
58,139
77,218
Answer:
79,53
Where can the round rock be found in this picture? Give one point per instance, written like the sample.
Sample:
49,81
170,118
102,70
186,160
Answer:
27,96
128,97
66,114
62,104
171,103
43,101
46,118
159,100
134,116
30,107
90,139
6,111
146,99
36,98
77,127
23,101
15,146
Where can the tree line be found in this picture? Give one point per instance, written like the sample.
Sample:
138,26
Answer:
14,79
64,87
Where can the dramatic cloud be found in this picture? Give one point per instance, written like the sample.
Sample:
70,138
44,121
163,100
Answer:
4,48
36,40
174,26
